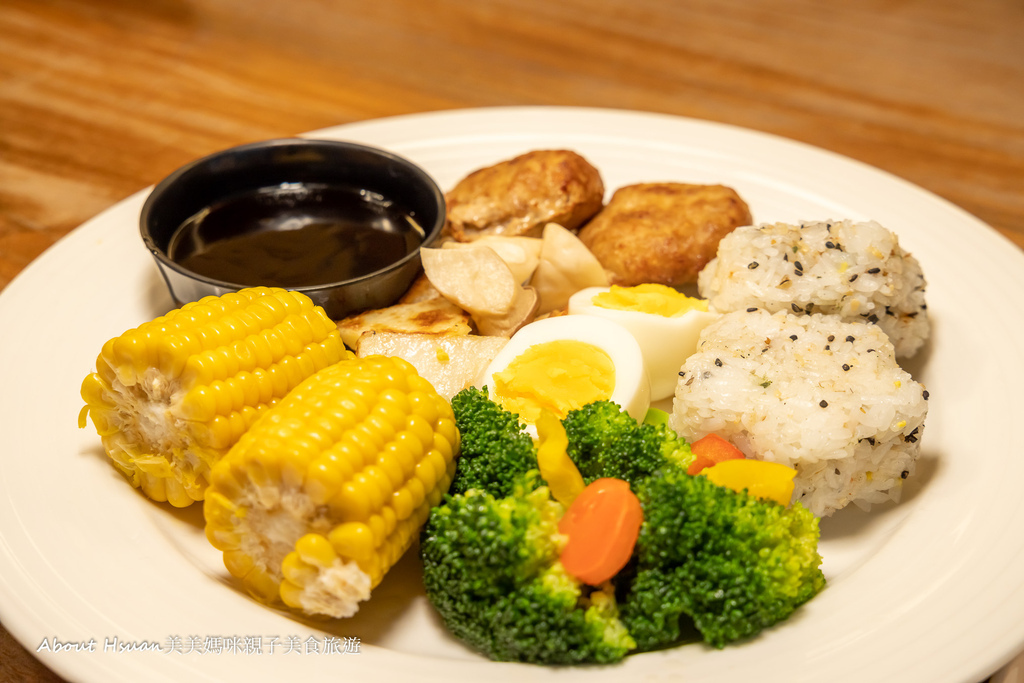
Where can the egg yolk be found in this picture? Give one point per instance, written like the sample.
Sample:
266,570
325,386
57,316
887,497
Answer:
560,376
649,298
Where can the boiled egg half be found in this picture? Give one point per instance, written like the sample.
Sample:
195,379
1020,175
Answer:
664,322
565,362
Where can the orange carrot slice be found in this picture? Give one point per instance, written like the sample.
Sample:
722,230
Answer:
711,450
602,524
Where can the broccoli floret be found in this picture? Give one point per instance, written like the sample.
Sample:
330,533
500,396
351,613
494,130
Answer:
491,569
710,563
496,450
730,562
604,441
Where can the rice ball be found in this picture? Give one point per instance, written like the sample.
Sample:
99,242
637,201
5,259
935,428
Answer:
813,392
857,271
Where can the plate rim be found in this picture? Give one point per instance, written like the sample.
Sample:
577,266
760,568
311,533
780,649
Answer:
18,627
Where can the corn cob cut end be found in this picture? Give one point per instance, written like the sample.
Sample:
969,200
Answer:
321,498
171,396
316,580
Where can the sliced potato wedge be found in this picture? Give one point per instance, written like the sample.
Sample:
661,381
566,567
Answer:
523,311
566,266
520,254
450,363
434,316
476,280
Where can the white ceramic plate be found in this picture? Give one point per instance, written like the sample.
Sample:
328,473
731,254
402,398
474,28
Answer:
928,590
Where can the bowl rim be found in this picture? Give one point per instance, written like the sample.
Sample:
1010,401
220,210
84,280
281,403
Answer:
430,235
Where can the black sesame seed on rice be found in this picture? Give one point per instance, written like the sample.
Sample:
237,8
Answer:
874,271
796,309
853,277
831,337
904,474
924,394
752,265
751,309
846,367
793,337
718,362
850,338
824,403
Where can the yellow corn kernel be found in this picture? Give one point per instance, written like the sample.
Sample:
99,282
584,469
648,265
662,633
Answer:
221,508
402,501
325,476
316,550
291,593
329,487
353,540
170,397
294,569
238,563
223,540
262,585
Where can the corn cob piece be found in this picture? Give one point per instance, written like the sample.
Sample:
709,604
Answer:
323,495
170,397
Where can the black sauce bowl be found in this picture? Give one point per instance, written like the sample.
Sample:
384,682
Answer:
248,168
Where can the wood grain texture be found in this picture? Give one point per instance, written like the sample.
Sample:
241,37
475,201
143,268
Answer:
100,98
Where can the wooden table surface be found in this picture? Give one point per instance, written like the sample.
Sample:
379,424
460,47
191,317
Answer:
101,98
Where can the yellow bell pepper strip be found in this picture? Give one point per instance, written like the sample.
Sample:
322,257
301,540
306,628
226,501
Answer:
765,480
602,524
556,467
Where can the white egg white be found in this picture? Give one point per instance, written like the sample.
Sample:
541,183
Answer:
632,390
665,342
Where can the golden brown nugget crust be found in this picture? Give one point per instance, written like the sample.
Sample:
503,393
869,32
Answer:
521,195
662,232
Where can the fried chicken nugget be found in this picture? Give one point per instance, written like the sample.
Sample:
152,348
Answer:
662,232
520,196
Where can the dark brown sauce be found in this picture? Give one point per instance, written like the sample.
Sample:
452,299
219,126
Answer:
295,235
